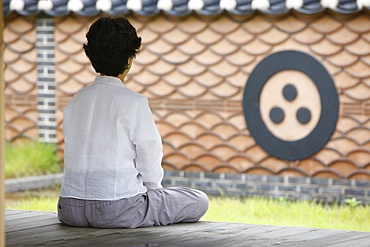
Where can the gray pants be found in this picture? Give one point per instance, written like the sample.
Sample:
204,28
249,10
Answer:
153,208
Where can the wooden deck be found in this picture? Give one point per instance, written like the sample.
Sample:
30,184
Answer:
31,228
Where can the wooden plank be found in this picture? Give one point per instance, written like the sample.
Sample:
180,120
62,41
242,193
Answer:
268,236
358,242
13,217
245,237
54,233
11,212
121,239
337,237
310,235
27,225
43,229
31,217
58,232
186,232
25,212
135,236
53,230
2,133
285,232
232,235
122,233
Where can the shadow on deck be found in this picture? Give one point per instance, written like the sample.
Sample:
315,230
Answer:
32,228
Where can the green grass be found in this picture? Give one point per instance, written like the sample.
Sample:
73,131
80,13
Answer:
30,159
250,211
46,204
285,213
38,200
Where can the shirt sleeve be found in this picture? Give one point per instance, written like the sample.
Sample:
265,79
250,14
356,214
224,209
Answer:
148,146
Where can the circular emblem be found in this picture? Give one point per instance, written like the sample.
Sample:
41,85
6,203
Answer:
290,105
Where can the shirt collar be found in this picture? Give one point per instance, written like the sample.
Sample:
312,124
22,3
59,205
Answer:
110,80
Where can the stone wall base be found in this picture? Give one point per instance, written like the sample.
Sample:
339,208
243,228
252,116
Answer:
326,190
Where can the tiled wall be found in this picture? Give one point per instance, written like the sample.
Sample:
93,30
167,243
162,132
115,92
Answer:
20,76
194,69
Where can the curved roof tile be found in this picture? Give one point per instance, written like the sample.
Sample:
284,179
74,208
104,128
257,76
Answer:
179,7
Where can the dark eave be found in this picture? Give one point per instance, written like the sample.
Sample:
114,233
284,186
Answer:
181,7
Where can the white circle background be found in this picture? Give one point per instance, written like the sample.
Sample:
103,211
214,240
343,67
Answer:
290,129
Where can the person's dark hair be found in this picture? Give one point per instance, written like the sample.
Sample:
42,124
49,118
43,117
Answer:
110,44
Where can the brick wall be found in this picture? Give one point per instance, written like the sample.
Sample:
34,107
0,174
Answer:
326,190
46,79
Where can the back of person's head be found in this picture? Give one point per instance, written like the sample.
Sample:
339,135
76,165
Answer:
110,44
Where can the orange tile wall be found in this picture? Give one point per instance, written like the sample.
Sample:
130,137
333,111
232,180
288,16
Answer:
20,76
194,69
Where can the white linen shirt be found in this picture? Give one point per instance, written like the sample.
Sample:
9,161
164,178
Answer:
112,146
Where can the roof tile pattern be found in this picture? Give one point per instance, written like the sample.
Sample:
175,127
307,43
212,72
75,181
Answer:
20,76
194,69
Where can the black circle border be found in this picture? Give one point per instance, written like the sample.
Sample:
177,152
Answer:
320,135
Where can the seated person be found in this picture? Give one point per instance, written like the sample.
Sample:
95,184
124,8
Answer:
113,150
